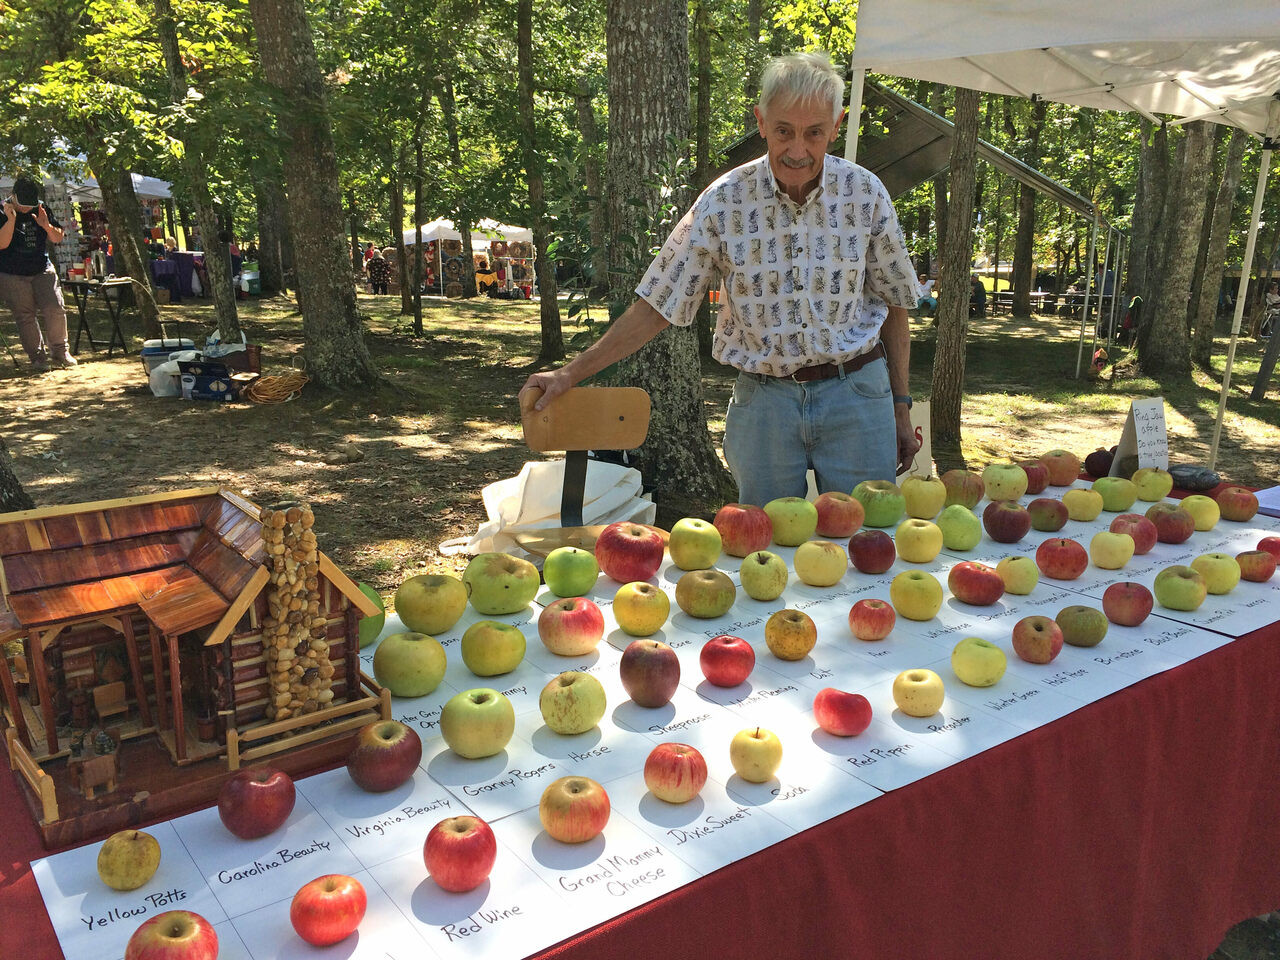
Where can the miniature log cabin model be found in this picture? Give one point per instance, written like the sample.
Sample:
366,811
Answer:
193,618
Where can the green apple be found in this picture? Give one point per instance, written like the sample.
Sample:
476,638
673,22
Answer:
1020,574
491,648
431,603
640,608
882,503
572,703
370,627
1152,483
1118,494
923,496
409,664
960,526
705,594
1204,510
478,723
918,692
1082,504
916,595
819,563
1111,551
794,520
1180,588
918,541
694,544
128,859
1082,626
570,572
1221,571
978,662
756,754
763,575
499,583
1004,481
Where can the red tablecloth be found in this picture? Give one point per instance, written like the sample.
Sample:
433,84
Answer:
1141,826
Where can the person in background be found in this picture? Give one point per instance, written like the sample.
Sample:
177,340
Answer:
368,251
977,297
28,280
251,251
170,247
379,272
928,304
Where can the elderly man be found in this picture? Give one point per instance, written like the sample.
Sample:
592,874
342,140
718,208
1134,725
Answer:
816,283
28,281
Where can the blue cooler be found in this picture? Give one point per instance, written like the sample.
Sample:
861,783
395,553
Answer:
156,352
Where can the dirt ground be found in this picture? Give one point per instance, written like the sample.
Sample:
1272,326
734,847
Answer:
446,423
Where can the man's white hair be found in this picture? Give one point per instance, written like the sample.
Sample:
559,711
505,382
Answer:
802,78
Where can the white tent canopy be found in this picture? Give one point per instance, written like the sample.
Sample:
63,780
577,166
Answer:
1185,58
147,188
482,233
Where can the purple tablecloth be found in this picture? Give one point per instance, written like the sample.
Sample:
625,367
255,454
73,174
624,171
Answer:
165,275
185,265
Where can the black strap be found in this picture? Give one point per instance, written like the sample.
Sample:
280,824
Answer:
575,488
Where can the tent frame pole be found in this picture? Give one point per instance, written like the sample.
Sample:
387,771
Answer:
854,117
1088,287
1102,290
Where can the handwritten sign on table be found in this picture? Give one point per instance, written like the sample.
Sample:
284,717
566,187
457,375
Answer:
1144,435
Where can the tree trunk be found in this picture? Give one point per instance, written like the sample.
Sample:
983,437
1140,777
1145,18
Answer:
1024,243
595,270
1213,178
194,178
125,219
445,96
1153,178
1167,348
953,279
353,225
12,496
938,105
549,314
1216,254
703,321
335,351
647,49
418,248
397,235
274,244
751,75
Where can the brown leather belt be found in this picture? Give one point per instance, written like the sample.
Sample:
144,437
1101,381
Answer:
825,371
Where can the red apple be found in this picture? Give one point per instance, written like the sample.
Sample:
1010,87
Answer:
975,583
459,853
1127,603
1037,639
1237,503
629,551
173,935
328,909
1173,524
839,514
871,619
1064,467
1271,545
872,551
256,801
726,661
675,772
963,487
744,528
571,626
1256,565
650,672
574,809
385,755
1140,528
841,714
1062,559
1037,475
1048,514
1006,521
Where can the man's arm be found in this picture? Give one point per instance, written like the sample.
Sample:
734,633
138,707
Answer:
896,337
631,331
55,234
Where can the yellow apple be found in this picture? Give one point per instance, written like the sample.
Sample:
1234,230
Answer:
977,662
640,608
756,754
1110,551
924,496
431,603
1204,510
918,541
790,634
820,563
1221,571
916,595
1082,504
1020,574
918,692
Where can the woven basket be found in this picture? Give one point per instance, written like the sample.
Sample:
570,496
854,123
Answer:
451,248
452,269
453,290
498,248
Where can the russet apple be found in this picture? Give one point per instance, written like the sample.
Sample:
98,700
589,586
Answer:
790,634
1153,483
628,551
459,853
328,909
960,526
571,626
794,520
1257,566
1081,625
924,497
963,487
1064,467
744,528
1204,510
764,575
128,859
1127,603
1020,574
491,648
871,619
1110,551
819,563
409,664
1037,639
1048,514
675,772
918,541
975,583
431,603
569,571
916,595
1221,572
882,503
256,802
478,723
977,662
1006,521
1037,475
384,754
498,583
173,935
1082,504
1173,524
650,672
840,713
705,594
726,661
694,544
1004,481
572,703
839,514
872,551
574,809
1118,494
1180,587
1237,504
640,608
756,754
1140,528
1062,558
918,692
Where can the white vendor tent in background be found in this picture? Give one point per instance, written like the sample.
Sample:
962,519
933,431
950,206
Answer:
482,233
1185,58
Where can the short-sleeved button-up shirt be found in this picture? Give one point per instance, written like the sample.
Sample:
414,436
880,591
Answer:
802,283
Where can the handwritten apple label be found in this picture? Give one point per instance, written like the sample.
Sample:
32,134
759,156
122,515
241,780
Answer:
658,729
601,751
877,754
382,825
1014,697
259,867
618,876
735,628
424,719
478,921
757,696
514,776
153,901
1118,657
709,826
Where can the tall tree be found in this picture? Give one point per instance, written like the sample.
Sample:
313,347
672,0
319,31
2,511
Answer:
1024,243
594,183
1148,215
947,389
464,219
12,496
335,349
1206,311
274,245
125,216
648,49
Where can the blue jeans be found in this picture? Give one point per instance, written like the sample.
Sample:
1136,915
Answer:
842,428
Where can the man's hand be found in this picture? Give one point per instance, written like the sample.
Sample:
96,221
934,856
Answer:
42,216
10,208
908,442
550,384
